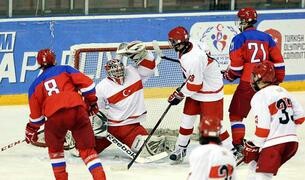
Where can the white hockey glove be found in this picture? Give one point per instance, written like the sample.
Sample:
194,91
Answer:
134,50
99,123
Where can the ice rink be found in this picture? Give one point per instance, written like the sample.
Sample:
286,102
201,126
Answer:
24,162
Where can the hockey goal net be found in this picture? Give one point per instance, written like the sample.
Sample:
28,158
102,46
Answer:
91,58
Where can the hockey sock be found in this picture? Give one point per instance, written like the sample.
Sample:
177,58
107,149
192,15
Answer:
93,163
59,165
238,132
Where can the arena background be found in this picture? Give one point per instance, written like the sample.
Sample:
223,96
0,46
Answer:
21,38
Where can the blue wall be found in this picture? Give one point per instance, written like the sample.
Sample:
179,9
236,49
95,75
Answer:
59,34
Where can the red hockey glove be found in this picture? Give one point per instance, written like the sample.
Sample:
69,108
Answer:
229,75
175,98
31,133
250,152
91,101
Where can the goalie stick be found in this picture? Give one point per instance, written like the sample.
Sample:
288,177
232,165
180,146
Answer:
155,128
125,149
162,56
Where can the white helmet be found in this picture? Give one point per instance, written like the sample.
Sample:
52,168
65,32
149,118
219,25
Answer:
115,70
134,50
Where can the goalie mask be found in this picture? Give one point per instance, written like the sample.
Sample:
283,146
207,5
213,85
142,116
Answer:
46,58
178,38
263,75
247,17
115,70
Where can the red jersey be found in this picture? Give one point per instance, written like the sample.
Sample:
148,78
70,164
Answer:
57,87
253,46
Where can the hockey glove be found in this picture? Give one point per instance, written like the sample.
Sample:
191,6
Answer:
176,97
250,152
91,101
229,75
31,133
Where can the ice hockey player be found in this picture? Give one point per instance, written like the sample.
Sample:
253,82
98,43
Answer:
210,160
121,98
203,90
277,115
56,103
248,48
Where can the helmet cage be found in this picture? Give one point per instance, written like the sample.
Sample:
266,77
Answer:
115,70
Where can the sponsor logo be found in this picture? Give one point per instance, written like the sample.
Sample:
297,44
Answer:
7,41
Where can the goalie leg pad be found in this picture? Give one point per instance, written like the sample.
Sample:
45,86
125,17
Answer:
155,145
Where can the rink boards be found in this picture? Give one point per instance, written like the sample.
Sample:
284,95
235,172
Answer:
20,39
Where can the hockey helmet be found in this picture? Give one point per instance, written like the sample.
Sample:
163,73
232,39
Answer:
246,17
263,74
46,57
115,70
209,127
178,38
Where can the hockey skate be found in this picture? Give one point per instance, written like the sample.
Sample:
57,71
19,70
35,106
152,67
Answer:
238,153
177,156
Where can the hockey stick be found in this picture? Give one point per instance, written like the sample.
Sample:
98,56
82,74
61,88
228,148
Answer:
13,144
154,129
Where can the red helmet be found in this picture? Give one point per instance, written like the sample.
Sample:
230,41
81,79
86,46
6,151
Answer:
178,36
263,73
248,15
45,57
209,128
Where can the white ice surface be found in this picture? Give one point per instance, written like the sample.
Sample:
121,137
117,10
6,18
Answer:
23,161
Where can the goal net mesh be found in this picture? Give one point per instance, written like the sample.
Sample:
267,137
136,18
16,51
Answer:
91,58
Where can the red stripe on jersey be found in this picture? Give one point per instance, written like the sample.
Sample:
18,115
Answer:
130,117
148,64
261,132
193,87
299,121
221,171
125,92
211,92
272,109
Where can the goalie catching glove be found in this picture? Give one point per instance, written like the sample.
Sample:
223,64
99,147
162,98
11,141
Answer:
134,50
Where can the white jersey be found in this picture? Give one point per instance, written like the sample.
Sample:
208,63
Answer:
211,161
205,80
277,114
124,104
